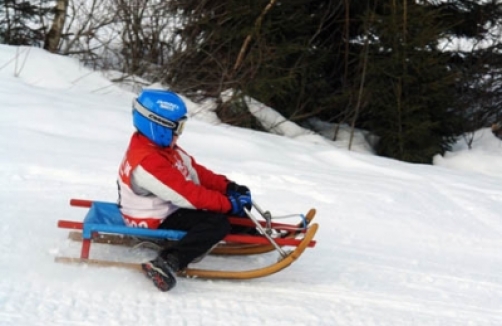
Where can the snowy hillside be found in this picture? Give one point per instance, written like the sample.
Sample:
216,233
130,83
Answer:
399,244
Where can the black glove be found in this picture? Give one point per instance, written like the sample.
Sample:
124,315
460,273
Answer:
234,189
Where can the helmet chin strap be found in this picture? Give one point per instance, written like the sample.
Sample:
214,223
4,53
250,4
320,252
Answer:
174,141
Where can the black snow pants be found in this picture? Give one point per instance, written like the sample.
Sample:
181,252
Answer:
203,229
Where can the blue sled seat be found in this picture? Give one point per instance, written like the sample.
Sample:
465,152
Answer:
106,218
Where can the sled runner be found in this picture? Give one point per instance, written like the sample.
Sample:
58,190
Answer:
103,223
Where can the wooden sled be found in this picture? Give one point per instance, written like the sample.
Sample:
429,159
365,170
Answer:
104,224
224,248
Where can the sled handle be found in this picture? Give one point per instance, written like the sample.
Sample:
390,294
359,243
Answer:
266,215
265,233
80,202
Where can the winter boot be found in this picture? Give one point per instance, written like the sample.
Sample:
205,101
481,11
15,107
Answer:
162,271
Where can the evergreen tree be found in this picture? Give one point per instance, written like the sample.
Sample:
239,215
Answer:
285,54
410,87
21,22
379,65
478,61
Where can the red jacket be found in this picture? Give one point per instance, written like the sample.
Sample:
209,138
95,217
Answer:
154,182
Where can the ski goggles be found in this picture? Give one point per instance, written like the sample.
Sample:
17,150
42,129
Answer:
180,126
176,126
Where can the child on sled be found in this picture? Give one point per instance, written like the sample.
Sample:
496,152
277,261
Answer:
161,186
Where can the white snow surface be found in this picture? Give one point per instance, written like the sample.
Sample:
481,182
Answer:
399,244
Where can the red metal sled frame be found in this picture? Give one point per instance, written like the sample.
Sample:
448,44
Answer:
86,243
233,220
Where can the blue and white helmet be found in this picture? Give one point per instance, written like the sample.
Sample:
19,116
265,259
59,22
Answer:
159,115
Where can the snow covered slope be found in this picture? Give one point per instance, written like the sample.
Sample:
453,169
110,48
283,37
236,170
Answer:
399,244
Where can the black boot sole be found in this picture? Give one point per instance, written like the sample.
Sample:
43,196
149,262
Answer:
162,281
